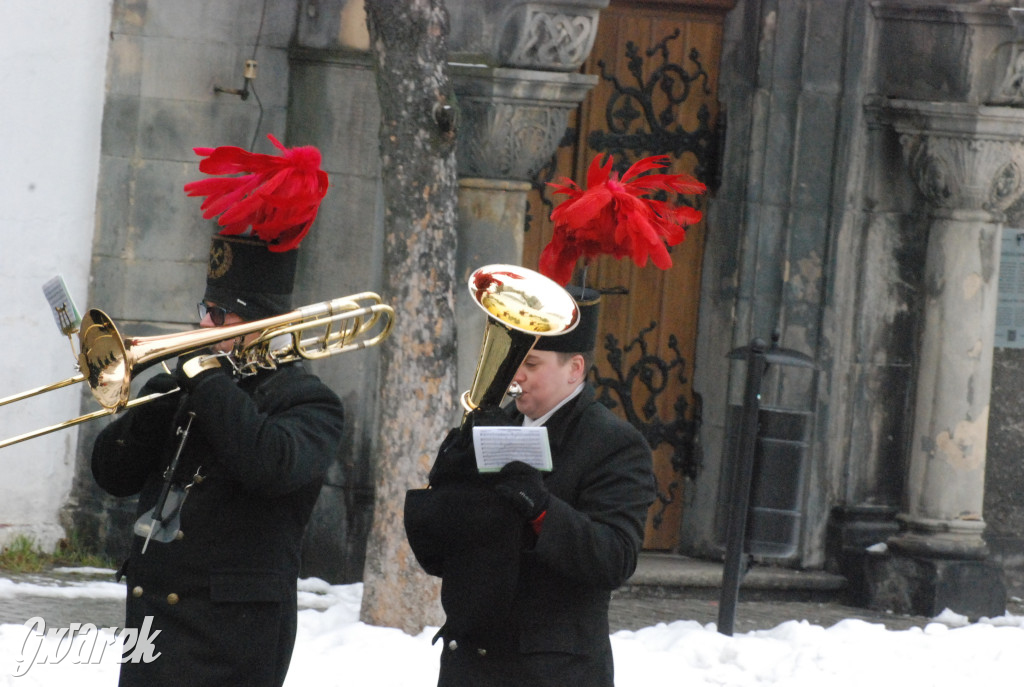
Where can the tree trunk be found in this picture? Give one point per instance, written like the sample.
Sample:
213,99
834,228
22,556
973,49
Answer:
417,145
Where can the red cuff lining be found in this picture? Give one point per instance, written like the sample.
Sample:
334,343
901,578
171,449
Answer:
538,522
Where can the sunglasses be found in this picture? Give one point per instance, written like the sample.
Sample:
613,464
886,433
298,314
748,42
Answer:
216,313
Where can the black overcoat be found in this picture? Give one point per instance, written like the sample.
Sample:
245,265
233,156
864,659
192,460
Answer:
223,595
557,632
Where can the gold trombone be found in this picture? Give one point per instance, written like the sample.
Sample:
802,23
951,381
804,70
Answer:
108,361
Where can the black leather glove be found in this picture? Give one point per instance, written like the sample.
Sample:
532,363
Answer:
523,486
156,416
194,367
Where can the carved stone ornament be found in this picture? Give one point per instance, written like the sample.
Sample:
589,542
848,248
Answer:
1010,90
962,157
541,35
965,174
512,120
506,140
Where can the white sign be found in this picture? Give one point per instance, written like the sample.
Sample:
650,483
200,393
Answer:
1010,308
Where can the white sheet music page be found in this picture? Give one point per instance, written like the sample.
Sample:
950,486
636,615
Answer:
496,446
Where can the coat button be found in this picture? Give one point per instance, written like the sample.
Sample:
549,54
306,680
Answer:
136,592
453,645
172,598
482,652
179,535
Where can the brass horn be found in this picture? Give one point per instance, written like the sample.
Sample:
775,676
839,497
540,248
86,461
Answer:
521,306
108,362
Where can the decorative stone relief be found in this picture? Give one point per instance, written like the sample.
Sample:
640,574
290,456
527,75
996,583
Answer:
511,120
958,173
962,157
507,140
1011,88
547,36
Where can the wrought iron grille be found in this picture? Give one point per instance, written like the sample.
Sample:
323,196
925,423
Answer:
654,376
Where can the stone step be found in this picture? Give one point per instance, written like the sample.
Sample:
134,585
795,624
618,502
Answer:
670,575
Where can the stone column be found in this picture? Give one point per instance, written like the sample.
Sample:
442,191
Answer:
968,162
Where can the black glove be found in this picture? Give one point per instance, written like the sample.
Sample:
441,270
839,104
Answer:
523,486
194,367
157,415
456,458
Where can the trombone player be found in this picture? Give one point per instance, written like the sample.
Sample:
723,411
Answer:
229,466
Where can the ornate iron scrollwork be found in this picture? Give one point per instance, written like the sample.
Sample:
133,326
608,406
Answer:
635,129
660,132
628,104
655,375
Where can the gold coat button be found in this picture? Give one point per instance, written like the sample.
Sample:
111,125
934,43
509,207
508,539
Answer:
172,598
137,592
482,652
179,535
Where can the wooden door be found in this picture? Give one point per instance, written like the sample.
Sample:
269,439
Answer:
657,64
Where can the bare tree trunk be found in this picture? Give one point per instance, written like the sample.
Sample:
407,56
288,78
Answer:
417,144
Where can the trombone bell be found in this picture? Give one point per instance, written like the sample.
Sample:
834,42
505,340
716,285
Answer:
104,360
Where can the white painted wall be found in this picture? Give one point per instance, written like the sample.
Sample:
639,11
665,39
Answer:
52,76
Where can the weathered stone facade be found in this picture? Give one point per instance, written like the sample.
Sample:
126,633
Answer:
869,147
870,163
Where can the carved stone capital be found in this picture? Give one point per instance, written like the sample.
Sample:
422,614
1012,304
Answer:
512,120
956,173
965,159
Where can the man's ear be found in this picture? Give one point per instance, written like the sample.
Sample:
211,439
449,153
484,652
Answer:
579,368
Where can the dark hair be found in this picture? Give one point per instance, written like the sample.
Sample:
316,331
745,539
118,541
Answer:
588,359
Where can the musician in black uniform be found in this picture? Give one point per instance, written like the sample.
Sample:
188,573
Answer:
218,576
576,536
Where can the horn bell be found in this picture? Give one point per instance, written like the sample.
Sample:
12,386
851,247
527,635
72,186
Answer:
521,306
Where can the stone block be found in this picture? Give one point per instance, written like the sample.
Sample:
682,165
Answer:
851,530
342,91
815,152
113,206
124,66
927,586
120,126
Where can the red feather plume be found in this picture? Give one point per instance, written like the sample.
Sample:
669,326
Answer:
613,217
276,195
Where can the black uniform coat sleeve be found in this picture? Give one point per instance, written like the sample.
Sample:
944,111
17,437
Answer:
601,484
223,596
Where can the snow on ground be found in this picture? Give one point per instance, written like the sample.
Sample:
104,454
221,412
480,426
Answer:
334,648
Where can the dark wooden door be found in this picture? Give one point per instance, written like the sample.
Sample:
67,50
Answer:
657,64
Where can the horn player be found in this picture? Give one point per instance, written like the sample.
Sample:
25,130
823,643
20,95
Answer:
226,472
528,559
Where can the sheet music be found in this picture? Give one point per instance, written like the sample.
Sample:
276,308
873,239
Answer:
496,446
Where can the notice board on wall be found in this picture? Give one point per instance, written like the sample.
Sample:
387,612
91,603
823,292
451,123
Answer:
1010,309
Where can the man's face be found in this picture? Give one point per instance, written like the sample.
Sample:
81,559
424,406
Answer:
229,318
546,380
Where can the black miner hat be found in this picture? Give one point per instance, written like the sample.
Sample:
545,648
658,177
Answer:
266,205
244,277
583,338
